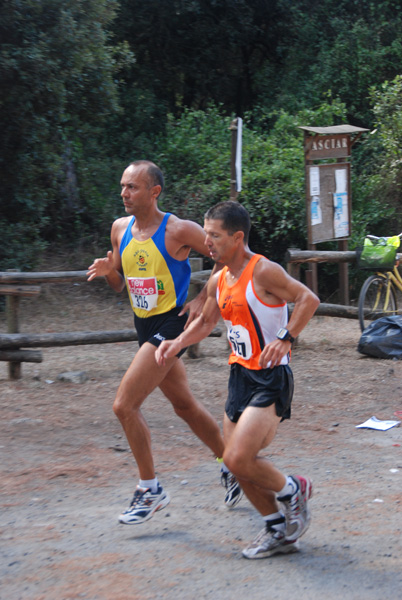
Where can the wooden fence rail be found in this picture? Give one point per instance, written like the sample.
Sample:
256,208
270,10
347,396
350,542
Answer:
14,345
19,277
12,341
14,284
294,255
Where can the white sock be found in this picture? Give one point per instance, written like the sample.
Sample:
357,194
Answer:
151,484
289,488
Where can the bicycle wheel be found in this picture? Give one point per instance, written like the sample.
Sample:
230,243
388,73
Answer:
372,300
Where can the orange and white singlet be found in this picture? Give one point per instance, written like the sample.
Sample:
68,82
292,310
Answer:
156,282
251,323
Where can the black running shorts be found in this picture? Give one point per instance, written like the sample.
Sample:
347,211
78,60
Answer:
166,326
259,388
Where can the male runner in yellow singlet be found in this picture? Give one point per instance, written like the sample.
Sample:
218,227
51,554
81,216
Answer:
251,294
150,257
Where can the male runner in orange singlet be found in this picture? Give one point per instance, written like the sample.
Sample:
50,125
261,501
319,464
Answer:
251,294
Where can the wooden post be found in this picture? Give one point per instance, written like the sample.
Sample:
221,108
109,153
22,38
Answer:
233,191
311,274
343,275
13,295
293,268
12,308
196,265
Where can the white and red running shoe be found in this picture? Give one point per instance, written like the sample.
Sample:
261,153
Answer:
269,542
296,508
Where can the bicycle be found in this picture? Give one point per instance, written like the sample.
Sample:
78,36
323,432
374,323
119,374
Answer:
378,295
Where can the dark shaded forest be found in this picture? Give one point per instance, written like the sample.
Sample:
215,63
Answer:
87,86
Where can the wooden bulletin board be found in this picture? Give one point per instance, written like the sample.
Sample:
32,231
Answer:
328,202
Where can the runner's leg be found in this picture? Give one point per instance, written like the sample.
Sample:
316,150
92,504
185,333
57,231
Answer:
257,476
177,390
141,378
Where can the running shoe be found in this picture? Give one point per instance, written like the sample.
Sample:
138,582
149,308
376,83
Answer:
269,542
234,492
143,505
296,508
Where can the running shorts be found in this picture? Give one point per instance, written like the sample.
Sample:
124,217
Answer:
262,388
157,328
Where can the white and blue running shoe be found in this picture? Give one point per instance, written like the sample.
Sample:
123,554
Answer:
143,505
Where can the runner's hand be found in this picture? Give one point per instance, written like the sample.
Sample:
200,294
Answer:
101,267
165,350
193,308
273,353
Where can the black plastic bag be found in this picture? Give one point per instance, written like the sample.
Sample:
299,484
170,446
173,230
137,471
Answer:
383,338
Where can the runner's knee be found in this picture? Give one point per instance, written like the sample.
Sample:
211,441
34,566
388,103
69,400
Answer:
123,406
185,409
237,464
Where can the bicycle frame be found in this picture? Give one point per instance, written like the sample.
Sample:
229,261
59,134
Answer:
392,277
378,295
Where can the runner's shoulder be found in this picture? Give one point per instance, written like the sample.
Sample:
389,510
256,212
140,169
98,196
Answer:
265,266
184,231
179,225
122,221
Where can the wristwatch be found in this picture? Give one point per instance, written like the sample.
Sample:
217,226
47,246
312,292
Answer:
284,335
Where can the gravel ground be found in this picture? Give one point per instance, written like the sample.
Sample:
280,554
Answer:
67,473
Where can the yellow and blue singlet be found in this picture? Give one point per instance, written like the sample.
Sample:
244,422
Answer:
156,282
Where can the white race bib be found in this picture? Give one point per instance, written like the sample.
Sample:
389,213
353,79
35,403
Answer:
143,292
239,339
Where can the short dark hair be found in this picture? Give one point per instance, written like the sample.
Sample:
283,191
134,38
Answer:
153,171
233,215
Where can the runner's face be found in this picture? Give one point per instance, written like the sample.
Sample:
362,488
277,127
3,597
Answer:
219,241
136,191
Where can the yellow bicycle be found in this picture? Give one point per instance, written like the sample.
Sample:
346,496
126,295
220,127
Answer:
378,296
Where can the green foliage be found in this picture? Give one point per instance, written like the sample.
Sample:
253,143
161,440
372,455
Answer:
195,155
344,46
193,52
387,111
90,85
57,89
377,189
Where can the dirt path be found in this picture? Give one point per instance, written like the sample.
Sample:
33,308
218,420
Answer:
67,473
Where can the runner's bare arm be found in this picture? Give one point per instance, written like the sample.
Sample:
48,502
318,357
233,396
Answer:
110,266
272,282
194,306
199,329
182,236
190,236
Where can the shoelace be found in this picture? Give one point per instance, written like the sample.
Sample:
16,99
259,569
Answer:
138,497
294,503
260,536
225,480
271,531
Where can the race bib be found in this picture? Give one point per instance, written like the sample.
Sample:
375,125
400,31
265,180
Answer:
239,339
143,292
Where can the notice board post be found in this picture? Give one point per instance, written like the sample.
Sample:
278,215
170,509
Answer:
236,127
327,152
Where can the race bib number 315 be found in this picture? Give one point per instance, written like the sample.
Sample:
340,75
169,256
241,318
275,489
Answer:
143,292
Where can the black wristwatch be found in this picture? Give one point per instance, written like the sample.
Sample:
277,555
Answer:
284,335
